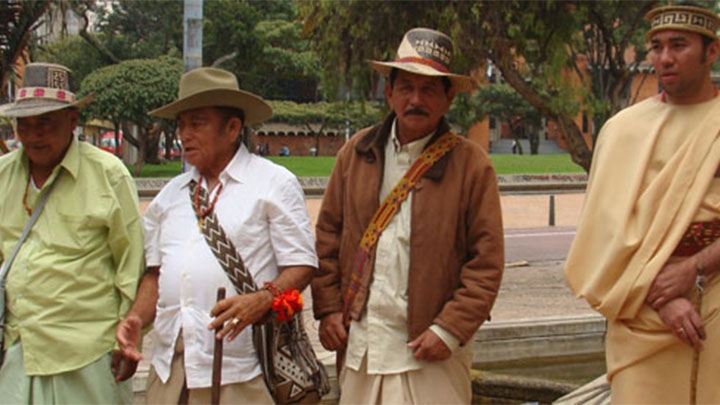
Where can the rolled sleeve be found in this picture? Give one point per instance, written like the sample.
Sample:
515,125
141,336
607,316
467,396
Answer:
290,229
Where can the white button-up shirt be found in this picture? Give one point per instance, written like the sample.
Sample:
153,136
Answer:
381,332
262,209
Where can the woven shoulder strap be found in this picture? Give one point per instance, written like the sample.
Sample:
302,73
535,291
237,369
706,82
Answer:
222,247
389,208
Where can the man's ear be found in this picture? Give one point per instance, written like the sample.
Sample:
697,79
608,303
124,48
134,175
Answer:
234,125
712,51
388,93
74,116
451,94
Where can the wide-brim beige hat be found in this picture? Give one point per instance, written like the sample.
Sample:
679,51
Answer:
45,88
212,87
683,18
426,52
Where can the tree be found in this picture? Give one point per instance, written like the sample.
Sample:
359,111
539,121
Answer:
536,45
124,93
75,53
503,103
18,19
142,29
317,117
261,43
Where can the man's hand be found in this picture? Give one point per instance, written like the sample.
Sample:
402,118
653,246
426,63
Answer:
682,319
673,281
238,312
128,334
429,347
122,367
333,334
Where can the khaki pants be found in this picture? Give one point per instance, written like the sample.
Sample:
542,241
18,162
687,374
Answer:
175,390
443,382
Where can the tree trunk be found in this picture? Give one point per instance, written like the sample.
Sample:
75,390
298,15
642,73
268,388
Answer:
150,139
569,131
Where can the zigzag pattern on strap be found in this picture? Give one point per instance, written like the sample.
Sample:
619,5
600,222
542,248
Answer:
223,249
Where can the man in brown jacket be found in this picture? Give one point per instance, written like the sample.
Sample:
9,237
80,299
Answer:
404,306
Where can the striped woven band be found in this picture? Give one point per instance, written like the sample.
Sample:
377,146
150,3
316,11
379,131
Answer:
423,61
698,236
47,93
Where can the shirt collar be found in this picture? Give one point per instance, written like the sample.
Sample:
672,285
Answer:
235,170
413,148
70,162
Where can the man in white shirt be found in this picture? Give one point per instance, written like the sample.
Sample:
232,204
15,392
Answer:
261,207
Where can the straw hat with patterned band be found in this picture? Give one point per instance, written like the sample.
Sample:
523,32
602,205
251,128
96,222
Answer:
683,18
45,88
211,87
426,52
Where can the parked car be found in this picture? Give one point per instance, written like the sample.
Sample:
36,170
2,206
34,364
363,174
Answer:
107,142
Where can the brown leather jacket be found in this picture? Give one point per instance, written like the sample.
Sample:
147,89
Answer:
456,240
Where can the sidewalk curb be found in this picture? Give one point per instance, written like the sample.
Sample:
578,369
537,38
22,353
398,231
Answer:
148,187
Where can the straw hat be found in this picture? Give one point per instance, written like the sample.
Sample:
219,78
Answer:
211,87
426,52
683,18
45,88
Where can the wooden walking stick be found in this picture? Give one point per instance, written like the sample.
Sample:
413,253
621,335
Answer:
217,358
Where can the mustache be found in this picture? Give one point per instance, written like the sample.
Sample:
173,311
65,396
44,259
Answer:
416,111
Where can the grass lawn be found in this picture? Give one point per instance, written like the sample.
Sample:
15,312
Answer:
321,166
534,164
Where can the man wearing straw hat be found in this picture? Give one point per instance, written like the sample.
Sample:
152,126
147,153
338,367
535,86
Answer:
260,205
410,240
646,252
76,273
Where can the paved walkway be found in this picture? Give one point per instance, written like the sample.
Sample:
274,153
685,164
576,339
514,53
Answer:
528,291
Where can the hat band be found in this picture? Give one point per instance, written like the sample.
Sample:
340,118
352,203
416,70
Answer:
423,61
45,93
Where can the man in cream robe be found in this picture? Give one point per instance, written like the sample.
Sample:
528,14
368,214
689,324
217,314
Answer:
655,172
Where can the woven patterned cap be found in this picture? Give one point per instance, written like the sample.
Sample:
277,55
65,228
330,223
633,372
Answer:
46,87
683,18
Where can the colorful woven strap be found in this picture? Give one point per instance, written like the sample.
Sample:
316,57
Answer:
389,207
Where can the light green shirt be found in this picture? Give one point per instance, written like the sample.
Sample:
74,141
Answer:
77,273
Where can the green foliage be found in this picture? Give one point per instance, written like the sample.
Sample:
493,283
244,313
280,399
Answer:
498,100
128,90
142,29
321,166
19,19
346,34
534,164
260,42
543,49
228,27
73,52
306,166
327,115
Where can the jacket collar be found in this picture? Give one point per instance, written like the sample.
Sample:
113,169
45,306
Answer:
371,144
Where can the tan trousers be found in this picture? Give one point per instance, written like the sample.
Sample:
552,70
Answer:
444,382
175,390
